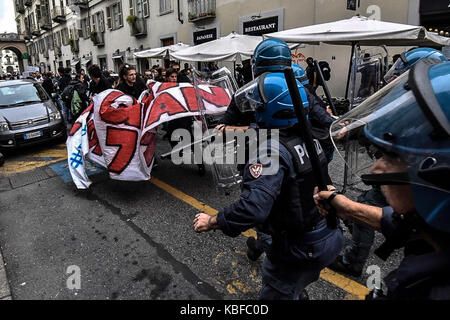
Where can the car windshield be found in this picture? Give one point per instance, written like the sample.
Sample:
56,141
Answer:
21,94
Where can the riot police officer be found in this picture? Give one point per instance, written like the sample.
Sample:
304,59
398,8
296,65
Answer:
320,114
355,255
405,128
280,201
409,58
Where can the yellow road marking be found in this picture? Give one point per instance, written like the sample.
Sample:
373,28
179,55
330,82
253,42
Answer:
354,289
13,167
193,202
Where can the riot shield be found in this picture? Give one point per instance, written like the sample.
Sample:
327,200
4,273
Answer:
222,153
367,71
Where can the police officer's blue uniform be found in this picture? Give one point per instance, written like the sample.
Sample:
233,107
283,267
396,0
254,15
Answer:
281,203
356,254
423,272
406,129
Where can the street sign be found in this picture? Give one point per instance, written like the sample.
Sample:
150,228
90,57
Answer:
25,55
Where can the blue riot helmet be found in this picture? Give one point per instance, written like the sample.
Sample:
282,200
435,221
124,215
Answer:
272,101
300,74
408,121
271,55
410,58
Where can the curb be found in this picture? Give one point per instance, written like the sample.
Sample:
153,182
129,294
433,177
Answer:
5,293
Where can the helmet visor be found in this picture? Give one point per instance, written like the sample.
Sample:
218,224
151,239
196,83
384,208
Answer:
368,134
245,98
395,71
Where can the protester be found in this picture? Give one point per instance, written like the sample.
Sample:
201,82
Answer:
47,84
127,81
75,97
98,83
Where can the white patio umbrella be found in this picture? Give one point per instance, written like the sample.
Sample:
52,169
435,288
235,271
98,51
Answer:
364,31
233,47
162,52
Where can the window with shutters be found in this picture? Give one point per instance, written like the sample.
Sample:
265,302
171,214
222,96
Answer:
98,22
85,28
114,16
165,6
139,8
65,36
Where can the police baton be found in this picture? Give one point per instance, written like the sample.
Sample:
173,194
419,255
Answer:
305,133
325,87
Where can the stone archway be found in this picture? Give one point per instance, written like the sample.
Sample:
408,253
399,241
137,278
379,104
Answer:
15,43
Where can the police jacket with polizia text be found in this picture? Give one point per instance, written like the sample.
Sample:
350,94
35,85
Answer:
281,202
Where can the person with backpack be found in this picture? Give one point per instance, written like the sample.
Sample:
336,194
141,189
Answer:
75,98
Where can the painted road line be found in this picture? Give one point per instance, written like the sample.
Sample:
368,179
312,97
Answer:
192,202
33,160
13,167
354,289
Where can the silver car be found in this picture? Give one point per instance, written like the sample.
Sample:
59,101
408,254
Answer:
27,115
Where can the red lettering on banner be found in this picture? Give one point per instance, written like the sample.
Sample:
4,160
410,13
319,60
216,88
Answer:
76,126
148,139
93,138
130,115
167,85
164,103
88,109
218,97
126,140
191,98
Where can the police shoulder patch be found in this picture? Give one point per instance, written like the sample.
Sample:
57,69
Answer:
256,170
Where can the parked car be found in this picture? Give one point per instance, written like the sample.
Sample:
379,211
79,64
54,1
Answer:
27,115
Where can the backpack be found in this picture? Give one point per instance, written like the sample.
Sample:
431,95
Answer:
75,104
67,94
326,70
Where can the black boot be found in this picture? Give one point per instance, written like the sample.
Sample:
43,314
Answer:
253,253
338,265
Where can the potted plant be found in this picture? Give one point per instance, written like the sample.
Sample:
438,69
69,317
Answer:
191,16
131,19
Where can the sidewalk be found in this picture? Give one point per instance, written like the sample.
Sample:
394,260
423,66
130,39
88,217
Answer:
5,294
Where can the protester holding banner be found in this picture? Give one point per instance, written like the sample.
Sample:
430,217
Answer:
128,83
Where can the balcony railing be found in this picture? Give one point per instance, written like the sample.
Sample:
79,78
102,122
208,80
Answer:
58,14
35,31
83,4
45,23
74,45
28,3
201,9
57,50
98,38
19,6
139,28
26,34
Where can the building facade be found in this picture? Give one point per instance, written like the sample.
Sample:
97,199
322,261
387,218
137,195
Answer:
77,33
9,62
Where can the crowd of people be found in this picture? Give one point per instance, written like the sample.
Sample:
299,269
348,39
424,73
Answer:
406,139
62,85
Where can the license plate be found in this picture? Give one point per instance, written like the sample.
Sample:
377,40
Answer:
32,135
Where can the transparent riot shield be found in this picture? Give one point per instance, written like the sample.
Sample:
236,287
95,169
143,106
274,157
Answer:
222,153
367,71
